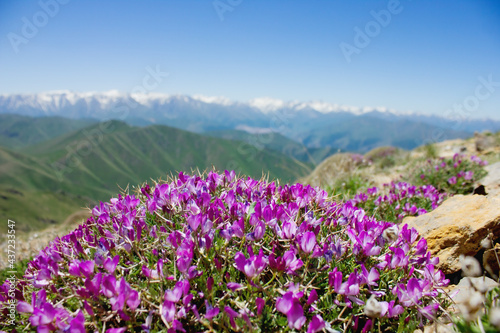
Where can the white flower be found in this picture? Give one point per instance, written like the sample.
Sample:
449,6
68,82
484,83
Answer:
373,308
495,317
470,266
391,234
480,285
471,306
486,243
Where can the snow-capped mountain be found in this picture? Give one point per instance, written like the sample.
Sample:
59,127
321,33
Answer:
53,102
314,123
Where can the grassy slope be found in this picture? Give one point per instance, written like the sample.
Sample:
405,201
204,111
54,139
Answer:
54,183
18,131
30,195
132,155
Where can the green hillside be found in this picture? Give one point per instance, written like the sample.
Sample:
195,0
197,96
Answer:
31,195
49,181
277,142
120,154
18,131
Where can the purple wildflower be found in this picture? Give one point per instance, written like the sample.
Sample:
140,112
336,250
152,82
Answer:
252,266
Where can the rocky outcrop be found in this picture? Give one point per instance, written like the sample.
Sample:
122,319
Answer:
457,227
484,141
492,181
491,261
335,167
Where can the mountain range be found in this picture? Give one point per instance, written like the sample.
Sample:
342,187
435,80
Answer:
313,124
62,151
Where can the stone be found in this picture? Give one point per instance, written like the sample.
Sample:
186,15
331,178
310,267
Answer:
484,141
335,167
491,181
457,227
491,260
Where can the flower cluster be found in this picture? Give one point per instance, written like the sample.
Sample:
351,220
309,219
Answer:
396,200
222,253
454,176
478,304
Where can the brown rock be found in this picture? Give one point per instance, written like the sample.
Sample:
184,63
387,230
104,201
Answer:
457,227
484,141
491,261
333,168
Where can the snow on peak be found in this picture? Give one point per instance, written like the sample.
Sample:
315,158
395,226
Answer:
266,104
54,100
213,100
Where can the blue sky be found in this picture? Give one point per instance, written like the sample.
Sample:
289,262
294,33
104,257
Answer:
427,57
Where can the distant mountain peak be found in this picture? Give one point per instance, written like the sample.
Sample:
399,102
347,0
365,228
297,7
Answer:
50,100
200,113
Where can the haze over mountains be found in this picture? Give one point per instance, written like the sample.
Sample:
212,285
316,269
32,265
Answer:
314,124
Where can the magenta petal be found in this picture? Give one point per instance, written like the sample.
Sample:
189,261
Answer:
175,294
88,308
313,296
168,311
232,314
234,286
259,302
210,283
373,276
240,261
43,316
133,300
74,269
159,267
187,299
177,325
87,268
317,324
429,311
117,302
116,330
194,221
296,318
110,264
308,241
109,286
146,271
394,311
368,326
249,269
385,308
284,304
77,325
24,307
212,313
